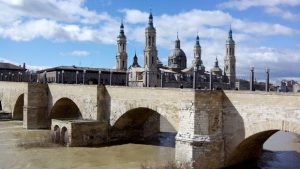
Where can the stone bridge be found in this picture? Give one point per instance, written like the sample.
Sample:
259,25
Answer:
214,128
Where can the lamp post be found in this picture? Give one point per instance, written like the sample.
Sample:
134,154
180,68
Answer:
62,76
45,77
58,78
127,77
30,77
83,77
146,77
267,79
99,77
1,76
13,77
161,79
19,76
76,78
110,77
252,79
195,77
9,76
210,81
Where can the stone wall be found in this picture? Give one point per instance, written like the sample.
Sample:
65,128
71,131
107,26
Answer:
213,127
80,132
36,106
9,93
250,118
84,96
166,102
199,138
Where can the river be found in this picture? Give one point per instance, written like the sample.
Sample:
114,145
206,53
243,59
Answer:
28,149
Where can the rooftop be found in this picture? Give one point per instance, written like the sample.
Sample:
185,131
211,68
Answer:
10,66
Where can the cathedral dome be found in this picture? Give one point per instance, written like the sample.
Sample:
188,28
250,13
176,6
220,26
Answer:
177,58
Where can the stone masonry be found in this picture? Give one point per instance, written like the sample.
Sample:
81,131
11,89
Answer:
214,128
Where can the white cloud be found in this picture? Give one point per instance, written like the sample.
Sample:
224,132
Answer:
70,20
59,10
52,30
134,16
273,7
245,4
285,14
78,53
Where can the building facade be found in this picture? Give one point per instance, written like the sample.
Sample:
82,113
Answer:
176,73
82,75
14,73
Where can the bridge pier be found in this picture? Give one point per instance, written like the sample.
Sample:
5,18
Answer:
36,107
200,151
199,141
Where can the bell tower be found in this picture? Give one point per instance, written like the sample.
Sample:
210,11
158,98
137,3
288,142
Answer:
150,53
121,50
229,60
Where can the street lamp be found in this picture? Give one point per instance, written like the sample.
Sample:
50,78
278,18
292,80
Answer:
99,77
83,76
76,78
195,78
58,78
62,76
110,77
252,78
267,79
161,78
45,77
127,77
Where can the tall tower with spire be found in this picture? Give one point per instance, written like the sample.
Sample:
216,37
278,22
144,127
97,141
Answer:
229,61
121,51
150,53
197,53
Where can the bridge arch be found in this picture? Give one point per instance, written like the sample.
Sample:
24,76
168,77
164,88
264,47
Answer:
17,113
240,149
65,108
138,123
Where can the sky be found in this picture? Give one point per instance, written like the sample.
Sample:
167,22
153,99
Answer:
47,33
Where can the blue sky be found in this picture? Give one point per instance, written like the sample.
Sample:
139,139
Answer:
45,33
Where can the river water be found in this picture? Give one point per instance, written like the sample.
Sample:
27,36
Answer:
22,149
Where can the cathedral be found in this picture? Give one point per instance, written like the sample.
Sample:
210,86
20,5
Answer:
176,73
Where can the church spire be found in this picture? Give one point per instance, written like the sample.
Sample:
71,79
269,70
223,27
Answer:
122,34
150,23
216,62
197,41
177,42
230,33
